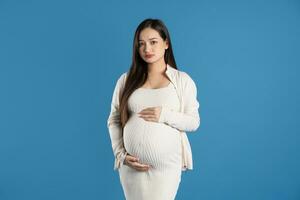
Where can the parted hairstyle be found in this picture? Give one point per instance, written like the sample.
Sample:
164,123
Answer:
138,72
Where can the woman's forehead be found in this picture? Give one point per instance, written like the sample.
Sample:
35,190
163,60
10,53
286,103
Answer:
149,34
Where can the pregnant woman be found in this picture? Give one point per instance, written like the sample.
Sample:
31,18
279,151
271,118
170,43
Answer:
153,106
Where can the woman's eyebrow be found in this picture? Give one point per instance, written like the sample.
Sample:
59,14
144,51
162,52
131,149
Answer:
149,39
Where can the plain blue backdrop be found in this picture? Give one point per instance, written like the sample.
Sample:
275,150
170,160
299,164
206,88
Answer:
59,61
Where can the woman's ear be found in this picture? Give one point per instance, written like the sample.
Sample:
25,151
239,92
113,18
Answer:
167,44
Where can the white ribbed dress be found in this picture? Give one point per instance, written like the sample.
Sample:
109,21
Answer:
156,144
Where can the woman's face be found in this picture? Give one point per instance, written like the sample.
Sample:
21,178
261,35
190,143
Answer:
151,46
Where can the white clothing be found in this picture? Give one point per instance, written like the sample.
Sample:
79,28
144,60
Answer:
186,119
155,144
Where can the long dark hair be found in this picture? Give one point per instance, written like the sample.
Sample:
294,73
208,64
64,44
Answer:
138,71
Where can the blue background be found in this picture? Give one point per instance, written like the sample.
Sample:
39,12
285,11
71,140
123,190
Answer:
59,61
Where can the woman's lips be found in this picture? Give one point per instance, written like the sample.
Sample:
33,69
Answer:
149,56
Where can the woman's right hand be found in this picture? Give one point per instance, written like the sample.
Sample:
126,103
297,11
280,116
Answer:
132,161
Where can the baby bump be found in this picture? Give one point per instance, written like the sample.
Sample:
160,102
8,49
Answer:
154,143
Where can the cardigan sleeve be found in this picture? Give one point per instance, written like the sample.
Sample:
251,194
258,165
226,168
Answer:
189,119
114,125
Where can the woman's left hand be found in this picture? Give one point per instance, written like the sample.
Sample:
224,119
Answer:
150,113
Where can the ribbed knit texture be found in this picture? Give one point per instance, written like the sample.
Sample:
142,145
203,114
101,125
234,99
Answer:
156,144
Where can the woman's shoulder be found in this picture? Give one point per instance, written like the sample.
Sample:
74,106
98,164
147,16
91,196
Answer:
184,76
186,80
122,77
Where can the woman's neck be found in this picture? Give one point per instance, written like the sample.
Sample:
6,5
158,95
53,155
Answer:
157,68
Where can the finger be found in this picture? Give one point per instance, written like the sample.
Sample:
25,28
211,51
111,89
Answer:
150,118
146,112
140,168
131,163
148,115
149,108
140,165
132,158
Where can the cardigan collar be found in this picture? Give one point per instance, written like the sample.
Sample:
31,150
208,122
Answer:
171,74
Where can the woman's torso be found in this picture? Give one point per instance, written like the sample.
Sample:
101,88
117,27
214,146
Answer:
157,144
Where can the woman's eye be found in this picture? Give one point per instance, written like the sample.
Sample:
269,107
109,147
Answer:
152,42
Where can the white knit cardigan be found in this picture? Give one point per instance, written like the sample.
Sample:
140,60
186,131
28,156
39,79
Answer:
187,120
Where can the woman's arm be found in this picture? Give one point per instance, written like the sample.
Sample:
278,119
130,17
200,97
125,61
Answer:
189,119
114,125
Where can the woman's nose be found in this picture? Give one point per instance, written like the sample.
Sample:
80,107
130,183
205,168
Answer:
147,48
